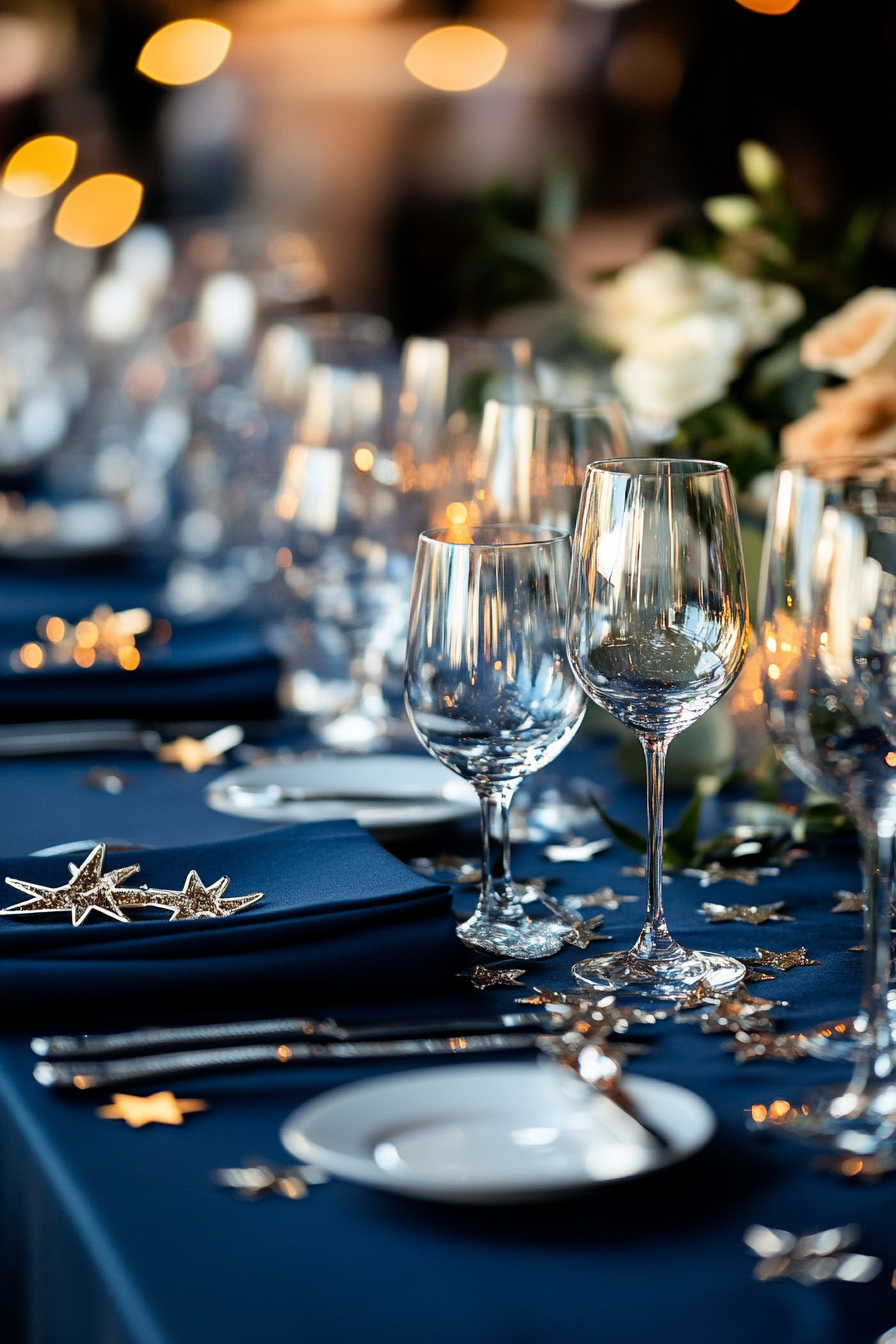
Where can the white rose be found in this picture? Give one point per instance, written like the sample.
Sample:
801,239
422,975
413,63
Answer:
662,287
765,310
860,337
679,368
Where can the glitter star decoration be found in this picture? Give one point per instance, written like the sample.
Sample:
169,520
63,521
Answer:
87,889
581,932
848,903
745,914
256,1179
194,753
753,977
780,961
717,872
494,977
605,897
162,1108
813,1259
194,900
749,1046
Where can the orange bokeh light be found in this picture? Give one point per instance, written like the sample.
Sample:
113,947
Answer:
39,166
456,58
769,6
184,52
99,210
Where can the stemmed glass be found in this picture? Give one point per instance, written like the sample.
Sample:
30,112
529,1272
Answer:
846,701
657,631
489,690
831,745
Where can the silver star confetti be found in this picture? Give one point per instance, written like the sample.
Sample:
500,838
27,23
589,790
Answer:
194,900
780,961
812,1259
494,977
605,897
576,850
745,914
582,932
87,889
734,1017
716,872
848,903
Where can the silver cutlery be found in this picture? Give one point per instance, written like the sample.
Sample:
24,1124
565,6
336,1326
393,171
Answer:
104,1073
45,739
216,1033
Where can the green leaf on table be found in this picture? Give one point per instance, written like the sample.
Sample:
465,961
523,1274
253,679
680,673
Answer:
624,834
679,845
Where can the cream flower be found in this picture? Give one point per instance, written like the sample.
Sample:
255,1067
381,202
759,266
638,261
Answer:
765,310
858,338
852,432
679,367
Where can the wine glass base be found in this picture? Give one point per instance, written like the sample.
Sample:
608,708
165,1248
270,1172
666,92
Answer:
526,940
842,1039
834,1117
669,977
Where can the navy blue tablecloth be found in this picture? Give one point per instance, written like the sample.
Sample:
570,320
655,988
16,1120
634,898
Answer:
117,1235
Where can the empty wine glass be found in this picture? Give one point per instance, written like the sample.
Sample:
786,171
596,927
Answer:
490,692
657,631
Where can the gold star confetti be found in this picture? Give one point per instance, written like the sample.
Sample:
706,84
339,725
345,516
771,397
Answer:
194,901
605,897
696,996
735,1017
749,1046
193,754
780,961
493,977
740,995
848,903
162,1108
753,977
745,914
87,889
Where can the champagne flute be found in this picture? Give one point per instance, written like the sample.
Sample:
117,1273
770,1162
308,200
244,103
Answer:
657,631
489,690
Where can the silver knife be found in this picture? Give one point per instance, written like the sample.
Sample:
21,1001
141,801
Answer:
103,1073
216,1033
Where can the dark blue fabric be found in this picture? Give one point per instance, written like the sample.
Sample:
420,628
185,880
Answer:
211,669
117,1235
336,906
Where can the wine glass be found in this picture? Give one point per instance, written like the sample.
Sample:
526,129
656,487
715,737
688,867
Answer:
846,701
808,720
489,690
657,631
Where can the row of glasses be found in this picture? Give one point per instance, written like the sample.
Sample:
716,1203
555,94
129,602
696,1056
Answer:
509,625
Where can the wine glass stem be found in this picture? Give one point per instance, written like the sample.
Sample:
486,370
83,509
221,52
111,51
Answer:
876,1062
654,939
497,896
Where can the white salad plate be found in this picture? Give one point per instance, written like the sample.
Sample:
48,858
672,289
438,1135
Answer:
381,793
493,1133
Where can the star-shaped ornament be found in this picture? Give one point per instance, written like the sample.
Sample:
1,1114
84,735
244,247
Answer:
581,932
753,977
749,1046
162,1108
576,850
605,897
734,1017
87,889
494,977
194,900
848,903
780,961
740,995
745,914
716,872
193,753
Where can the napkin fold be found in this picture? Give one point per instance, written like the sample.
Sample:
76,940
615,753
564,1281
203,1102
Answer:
340,918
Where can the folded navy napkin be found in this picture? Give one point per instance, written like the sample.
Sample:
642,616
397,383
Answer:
340,918
216,669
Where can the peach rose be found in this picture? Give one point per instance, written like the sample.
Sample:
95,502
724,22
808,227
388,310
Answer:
852,432
858,338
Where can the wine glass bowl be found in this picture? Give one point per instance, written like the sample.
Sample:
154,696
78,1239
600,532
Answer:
489,690
656,632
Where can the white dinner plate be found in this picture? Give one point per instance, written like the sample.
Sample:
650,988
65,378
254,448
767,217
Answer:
381,793
492,1133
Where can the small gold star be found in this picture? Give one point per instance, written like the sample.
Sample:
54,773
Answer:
491,977
87,889
189,752
848,903
194,901
581,932
162,1108
696,996
753,977
780,961
752,1045
745,914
